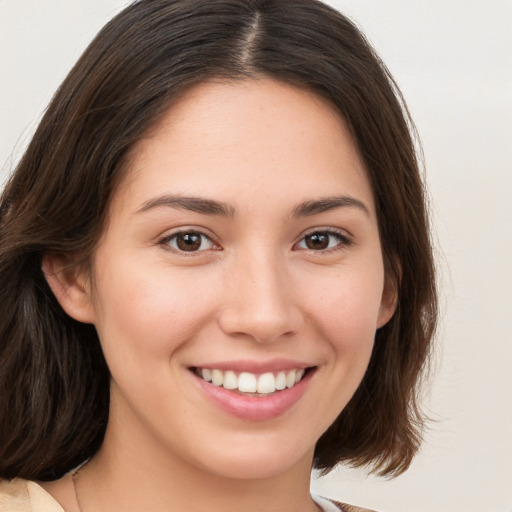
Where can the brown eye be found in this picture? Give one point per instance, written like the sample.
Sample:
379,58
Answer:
189,241
323,240
317,241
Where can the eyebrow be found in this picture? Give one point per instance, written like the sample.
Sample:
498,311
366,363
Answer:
193,204
326,204
211,207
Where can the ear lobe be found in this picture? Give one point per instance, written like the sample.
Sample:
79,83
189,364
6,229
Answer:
70,287
388,303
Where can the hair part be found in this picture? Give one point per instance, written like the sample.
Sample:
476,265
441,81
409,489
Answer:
54,382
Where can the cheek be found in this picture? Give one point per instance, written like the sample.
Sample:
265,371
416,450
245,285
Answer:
346,309
143,316
343,313
346,305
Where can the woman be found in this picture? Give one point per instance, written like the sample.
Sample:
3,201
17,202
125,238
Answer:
215,267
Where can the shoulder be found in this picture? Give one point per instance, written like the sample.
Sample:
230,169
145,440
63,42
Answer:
329,505
14,496
20,495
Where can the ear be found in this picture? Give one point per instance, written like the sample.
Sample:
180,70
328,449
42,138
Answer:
70,285
388,302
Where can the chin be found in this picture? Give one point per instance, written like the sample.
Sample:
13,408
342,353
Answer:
259,462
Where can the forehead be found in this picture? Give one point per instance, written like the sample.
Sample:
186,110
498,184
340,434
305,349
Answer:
248,138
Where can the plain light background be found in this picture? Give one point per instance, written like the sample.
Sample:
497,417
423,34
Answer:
453,61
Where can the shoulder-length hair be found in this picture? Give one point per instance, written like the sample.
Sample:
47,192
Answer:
54,382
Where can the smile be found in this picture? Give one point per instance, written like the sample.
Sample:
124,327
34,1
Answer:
252,391
252,383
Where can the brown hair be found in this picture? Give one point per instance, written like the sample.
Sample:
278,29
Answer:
54,382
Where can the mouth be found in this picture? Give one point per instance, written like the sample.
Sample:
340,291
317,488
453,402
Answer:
254,391
252,384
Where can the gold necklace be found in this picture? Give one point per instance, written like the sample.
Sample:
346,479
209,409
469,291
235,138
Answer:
74,477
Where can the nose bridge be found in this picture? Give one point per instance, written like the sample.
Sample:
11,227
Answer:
259,303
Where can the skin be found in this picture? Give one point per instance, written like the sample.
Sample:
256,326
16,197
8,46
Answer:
254,290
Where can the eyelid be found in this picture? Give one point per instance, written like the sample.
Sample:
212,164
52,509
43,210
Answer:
345,239
163,240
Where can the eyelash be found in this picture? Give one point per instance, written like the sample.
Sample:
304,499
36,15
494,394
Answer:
166,241
342,241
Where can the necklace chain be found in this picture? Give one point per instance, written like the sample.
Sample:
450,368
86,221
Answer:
74,477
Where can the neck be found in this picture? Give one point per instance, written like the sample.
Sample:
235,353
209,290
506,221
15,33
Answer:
123,477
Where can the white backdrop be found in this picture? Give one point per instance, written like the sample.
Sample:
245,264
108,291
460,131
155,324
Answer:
453,61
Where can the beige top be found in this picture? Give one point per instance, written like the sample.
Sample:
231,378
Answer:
25,496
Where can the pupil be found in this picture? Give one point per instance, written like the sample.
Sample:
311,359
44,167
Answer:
317,241
189,241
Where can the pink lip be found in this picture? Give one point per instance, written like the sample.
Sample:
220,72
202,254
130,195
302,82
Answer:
254,408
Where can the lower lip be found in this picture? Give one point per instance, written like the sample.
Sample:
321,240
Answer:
255,408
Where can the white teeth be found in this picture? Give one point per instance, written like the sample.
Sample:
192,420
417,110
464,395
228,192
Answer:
290,379
281,381
266,383
247,382
230,380
217,378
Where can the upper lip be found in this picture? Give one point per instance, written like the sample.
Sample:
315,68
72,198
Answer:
257,367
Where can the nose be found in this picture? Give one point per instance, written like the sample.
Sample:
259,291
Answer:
260,302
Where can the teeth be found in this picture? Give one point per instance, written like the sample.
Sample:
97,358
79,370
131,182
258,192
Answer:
247,382
266,383
281,381
230,380
290,378
217,378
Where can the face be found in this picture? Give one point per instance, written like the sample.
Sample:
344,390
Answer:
239,284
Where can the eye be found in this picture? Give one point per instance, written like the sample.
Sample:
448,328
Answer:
188,241
323,241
